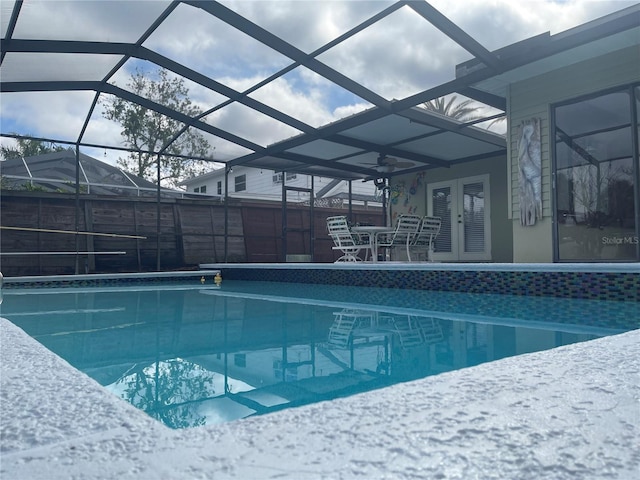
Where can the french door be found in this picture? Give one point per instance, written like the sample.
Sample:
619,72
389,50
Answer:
463,206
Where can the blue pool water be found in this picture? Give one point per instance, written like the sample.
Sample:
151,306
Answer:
191,354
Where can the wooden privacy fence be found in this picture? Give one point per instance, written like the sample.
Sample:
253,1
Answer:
38,235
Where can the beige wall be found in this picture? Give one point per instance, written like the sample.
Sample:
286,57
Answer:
406,201
532,244
533,98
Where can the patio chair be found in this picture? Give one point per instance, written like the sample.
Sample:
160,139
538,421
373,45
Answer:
345,322
407,330
427,233
430,328
348,243
402,236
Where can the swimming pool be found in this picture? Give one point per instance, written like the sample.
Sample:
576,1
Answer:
191,354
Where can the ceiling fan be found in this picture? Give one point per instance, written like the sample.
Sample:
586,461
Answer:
387,164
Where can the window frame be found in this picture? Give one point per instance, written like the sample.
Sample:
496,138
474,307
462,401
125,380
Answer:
635,155
277,177
237,182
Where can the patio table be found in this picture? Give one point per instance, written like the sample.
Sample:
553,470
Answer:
372,232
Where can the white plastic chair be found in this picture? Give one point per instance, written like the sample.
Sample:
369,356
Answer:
344,240
403,235
427,233
345,323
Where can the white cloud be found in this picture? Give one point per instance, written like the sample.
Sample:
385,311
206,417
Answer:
58,115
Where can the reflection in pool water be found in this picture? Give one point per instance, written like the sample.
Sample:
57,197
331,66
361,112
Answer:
194,355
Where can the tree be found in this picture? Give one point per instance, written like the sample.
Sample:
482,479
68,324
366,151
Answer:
28,147
170,391
463,111
147,130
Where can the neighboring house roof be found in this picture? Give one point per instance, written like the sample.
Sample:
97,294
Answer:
56,172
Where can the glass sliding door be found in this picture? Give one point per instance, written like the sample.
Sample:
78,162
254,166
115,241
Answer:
474,215
596,171
463,206
441,207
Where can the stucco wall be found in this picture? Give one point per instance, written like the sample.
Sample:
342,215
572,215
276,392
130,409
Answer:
533,98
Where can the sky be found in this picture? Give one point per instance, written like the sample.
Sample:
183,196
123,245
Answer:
398,56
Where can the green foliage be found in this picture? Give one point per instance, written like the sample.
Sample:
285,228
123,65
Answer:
28,148
30,187
170,391
463,111
5,184
72,185
148,130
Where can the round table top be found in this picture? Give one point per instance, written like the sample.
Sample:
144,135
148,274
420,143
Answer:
371,228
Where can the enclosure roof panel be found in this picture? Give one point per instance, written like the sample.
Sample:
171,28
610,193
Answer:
257,85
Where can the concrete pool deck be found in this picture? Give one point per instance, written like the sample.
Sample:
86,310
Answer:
571,412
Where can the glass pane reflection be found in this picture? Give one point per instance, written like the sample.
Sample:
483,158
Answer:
595,178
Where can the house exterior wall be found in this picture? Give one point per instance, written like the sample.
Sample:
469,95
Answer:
417,203
260,185
533,98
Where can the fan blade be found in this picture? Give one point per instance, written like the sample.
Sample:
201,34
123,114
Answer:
388,164
394,162
403,164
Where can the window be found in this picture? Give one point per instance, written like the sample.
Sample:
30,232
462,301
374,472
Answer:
202,189
290,373
219,187
240,359
596,175
241,183
277,177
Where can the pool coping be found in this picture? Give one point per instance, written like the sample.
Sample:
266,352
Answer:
97,278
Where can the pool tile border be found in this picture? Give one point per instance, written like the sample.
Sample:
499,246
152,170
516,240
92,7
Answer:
618,286
617,282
